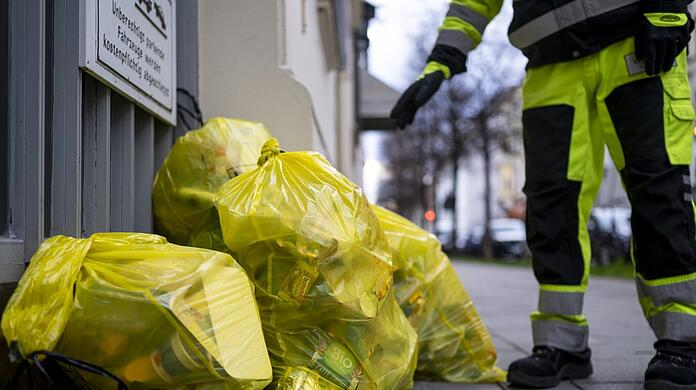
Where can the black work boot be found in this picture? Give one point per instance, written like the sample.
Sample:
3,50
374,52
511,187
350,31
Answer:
672,368
548,366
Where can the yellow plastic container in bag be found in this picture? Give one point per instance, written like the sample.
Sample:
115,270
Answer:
322,269
197,165
453,342
152,313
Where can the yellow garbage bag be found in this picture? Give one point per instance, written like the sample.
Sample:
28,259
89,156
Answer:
152,313
322,269
300,378
197,165
453,343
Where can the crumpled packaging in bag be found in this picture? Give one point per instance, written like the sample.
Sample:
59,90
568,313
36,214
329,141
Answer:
197,165
152,313
453,343
322,269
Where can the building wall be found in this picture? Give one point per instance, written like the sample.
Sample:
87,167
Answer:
243,72
269,61
306,61
81,157
471,189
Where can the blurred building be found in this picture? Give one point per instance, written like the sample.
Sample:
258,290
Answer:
611,192
376,100
507,199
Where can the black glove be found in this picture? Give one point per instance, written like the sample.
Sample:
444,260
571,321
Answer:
415,96
662,34
443,63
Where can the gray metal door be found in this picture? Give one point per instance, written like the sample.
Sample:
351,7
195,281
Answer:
75,156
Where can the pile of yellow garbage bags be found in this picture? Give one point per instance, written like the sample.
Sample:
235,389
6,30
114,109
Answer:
154,314
330,291
453,343
322,269
199,163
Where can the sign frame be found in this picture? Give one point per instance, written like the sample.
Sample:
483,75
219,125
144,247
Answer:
90,63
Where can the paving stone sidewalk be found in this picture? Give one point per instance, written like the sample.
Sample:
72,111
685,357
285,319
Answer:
620,339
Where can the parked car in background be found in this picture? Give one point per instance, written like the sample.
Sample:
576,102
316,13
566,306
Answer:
508,236
445,238
474,240
609,229
610,234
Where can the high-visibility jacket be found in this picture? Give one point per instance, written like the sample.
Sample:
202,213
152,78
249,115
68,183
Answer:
547,31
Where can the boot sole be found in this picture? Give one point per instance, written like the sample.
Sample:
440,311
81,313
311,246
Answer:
666,385
569,371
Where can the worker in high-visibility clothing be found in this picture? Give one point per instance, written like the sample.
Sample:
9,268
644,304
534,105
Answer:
600,72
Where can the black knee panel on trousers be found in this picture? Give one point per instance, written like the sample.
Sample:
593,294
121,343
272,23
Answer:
552,199
660,193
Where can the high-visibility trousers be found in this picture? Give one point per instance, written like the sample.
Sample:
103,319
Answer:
570,111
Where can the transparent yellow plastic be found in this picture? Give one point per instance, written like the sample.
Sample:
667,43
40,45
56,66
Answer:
453,343
300,378
322,269
155,314
197,165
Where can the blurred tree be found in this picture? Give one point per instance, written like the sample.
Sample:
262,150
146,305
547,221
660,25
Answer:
473,113
418,153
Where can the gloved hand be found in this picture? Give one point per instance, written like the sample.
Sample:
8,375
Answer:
662,34
416,96
443,63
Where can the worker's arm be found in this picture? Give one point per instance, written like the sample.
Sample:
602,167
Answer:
663,33
460,33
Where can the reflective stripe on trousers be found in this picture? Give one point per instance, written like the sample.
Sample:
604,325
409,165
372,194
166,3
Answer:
670,306
673,326
561,303
559,323
560,334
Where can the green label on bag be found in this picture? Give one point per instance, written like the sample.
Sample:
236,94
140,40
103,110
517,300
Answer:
338,365
339,359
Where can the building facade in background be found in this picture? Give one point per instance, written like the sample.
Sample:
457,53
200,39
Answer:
288,64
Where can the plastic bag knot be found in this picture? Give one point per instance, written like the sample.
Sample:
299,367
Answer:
270,149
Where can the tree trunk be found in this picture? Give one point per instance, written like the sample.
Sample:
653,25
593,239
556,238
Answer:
455,173
399,172
487,241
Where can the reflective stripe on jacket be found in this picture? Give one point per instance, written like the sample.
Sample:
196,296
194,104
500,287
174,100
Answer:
547,31
465,22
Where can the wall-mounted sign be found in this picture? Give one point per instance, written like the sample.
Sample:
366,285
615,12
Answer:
131,46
